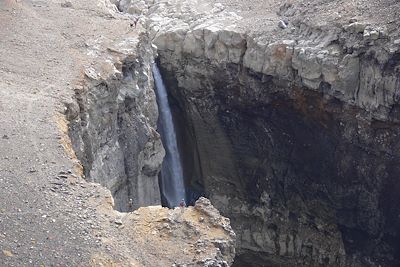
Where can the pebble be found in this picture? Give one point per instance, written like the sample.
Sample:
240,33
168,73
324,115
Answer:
66,4
374,35
282,24
7,253
357,27
352,20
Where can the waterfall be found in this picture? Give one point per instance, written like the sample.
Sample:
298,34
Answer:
172,184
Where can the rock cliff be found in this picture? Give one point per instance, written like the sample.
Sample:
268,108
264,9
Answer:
112,125
292,135
113,121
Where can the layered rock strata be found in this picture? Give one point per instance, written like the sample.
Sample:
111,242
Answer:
292,136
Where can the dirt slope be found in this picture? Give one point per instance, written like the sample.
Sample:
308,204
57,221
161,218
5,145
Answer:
44,217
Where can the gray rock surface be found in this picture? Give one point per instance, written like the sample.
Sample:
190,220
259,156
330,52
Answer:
320,56
114,132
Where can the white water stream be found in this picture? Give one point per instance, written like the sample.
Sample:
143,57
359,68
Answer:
172,184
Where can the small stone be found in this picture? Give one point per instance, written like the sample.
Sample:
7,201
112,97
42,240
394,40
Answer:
5,137
397,42
118,221
393,50
8,253
383,33
356,27
352,20
66,4
374,35
282,24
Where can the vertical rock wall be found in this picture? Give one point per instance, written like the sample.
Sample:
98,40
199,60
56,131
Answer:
304,178
113,122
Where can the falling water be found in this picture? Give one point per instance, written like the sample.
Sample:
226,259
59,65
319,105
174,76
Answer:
172,184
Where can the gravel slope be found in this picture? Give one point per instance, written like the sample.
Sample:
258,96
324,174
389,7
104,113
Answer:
48,214
43,216
261,16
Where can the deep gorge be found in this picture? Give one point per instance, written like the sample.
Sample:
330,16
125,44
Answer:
302,176
305,178
296,141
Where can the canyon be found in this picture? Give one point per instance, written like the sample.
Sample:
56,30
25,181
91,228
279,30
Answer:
292,133
286,116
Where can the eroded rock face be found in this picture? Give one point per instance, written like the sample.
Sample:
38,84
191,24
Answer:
192,236
294,139
113,122
157,236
